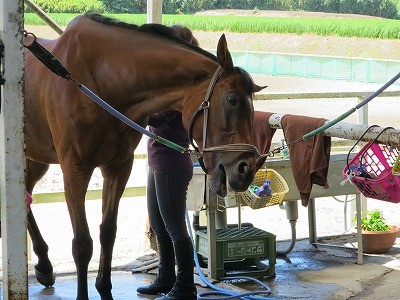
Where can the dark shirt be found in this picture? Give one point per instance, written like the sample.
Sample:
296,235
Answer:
168,124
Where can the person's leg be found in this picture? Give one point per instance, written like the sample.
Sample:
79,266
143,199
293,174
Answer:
171,188
166,268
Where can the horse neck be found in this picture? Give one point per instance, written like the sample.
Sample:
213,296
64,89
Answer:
145,75
176,91
158,83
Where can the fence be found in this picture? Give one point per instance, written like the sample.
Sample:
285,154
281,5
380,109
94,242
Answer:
310,66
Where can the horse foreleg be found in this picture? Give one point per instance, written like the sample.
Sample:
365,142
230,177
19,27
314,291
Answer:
76,180
43,269
115,180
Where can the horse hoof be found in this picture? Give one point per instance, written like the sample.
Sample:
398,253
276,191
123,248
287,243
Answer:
46,280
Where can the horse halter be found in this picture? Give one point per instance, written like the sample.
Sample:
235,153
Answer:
204,108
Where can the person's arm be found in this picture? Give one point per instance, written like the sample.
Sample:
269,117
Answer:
161,118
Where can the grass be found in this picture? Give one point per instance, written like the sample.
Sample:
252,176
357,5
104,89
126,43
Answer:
364,28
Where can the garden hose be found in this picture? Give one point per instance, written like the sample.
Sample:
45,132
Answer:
350,111
220,291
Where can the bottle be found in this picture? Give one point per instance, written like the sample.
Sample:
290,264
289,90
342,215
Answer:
254,188
285,150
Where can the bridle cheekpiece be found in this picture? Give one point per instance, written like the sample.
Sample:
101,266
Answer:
204,108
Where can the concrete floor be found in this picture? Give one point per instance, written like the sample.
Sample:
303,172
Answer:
305,273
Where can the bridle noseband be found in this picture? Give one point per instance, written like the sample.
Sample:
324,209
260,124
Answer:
204,108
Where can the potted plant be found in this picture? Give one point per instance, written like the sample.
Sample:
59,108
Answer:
377,236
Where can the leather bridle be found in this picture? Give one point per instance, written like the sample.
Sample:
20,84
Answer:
204,108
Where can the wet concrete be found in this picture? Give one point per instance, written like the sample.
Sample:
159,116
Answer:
124,287
307,272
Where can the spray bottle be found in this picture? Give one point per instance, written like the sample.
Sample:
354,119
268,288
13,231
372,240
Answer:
285,149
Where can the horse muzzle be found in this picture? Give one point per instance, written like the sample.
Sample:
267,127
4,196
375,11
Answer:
232,168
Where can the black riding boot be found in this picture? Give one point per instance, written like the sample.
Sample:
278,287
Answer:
184,288
166,269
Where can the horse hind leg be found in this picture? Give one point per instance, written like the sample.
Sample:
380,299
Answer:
43,269
115,179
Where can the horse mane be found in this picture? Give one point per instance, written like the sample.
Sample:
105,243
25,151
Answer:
152,28
168,33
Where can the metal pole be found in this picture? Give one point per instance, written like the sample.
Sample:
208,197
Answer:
154,11
361,204
212,200
12,155
350,131
359,230
36,9
312,222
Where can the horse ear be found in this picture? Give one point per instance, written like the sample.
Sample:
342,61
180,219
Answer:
257,88
223,55
260,162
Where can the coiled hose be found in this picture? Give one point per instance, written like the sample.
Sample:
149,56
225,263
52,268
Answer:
220,292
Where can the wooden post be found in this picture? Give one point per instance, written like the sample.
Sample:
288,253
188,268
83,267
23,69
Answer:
12,155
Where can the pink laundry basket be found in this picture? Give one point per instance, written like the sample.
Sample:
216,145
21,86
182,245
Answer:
372,170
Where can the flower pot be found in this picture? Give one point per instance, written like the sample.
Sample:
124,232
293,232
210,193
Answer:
379,242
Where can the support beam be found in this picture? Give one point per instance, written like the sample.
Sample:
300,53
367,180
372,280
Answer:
154,11
36,9
212,200
354,131
12,155
360,206
351,131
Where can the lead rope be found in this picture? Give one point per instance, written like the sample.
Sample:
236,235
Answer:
279,149
338,119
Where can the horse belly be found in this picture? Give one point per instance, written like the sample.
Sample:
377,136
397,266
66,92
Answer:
38,137
39,145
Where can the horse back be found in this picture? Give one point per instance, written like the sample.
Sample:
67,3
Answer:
124,66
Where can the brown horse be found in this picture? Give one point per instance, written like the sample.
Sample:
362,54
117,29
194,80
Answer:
139,70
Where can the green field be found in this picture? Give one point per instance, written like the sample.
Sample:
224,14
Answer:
351,27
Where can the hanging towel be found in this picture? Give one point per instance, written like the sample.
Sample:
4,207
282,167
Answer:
309,158
263,133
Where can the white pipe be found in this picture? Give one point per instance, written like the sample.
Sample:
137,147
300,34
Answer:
351,131
154,11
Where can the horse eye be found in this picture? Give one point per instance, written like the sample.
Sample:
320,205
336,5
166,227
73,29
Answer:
232,100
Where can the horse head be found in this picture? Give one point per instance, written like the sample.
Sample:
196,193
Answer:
224,135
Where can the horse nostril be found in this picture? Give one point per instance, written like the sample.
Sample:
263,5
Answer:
243,168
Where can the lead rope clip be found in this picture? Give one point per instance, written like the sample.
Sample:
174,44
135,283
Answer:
349,177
